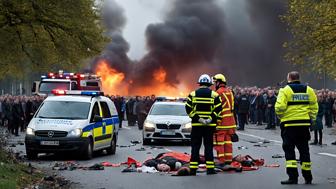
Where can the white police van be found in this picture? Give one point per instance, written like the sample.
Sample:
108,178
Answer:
76,121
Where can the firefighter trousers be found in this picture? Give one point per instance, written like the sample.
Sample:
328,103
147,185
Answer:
199,133
299,138
223,145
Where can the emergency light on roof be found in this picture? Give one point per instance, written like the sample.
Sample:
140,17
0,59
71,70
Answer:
58,92
170,99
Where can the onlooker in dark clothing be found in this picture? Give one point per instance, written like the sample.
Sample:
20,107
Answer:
253,113
141,112
243,105
130,112
271,118
8,113
17,117
317,127
329,101
29,111
259,107
1,111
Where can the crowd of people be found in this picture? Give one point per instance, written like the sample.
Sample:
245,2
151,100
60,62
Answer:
253,105
136,108
17,111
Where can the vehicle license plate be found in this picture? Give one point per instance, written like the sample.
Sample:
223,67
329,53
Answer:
50,143
168,132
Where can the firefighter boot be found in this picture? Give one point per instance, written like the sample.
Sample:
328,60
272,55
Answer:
289,181
193,172
211,171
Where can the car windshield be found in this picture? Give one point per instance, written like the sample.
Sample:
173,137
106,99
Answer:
47,87
64,110
168,109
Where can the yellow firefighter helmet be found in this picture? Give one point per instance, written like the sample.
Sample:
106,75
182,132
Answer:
219,77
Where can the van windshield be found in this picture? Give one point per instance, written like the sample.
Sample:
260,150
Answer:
64,110
48,86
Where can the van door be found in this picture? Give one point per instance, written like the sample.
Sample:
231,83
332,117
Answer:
108,126
97,129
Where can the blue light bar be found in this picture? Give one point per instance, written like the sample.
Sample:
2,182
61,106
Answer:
43,76
92,93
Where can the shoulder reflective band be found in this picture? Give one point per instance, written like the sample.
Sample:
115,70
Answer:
297,103
291,164
306,166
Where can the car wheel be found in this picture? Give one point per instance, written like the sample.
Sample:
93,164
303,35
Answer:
113,147
31,155
88,151
146,141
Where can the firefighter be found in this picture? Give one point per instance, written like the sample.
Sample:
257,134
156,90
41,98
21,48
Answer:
297,107
226,125
203,107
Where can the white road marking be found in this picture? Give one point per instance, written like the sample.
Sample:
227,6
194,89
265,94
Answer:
328,154
258,137
128,128
168,150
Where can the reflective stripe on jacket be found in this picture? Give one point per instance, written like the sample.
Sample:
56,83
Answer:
296,105
226,120
203,103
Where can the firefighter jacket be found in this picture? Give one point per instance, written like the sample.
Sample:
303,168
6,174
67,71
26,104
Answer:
203,103
296,105
227,120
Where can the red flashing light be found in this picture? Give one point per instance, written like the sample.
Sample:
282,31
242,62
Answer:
67,77
58,92
51,74
81,75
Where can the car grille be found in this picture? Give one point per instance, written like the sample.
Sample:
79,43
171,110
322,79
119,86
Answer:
165,126
177,135
56,134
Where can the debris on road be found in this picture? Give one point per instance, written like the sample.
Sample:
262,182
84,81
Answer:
135,142
278,156
242,148
140,149
274,165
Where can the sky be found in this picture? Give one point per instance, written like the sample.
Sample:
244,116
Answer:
139,14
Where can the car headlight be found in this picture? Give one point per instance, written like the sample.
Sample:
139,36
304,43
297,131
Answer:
149,125
30,131
187,126
75,133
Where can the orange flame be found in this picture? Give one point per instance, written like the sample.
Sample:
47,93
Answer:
114,83
112,80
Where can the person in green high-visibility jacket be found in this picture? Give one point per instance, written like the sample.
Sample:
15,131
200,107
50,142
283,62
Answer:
297,107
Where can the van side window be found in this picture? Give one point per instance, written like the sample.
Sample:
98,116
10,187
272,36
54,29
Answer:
95,111
74,86
105,109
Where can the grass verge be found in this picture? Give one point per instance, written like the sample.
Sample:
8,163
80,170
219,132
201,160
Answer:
15,174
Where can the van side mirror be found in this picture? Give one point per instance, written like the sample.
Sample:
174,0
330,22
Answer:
97,118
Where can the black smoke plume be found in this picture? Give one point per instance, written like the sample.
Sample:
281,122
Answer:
240,38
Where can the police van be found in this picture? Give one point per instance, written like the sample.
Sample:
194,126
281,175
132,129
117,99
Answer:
73,121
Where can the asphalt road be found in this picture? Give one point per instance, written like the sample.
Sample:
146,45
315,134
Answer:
323,158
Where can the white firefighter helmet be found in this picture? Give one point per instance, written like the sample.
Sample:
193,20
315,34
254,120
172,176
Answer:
205,80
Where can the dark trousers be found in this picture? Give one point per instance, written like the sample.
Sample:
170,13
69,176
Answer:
131,119
121,118
328,118
199,133
318,136
296,137
242,120
141,120
271,117
260,116
15,127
